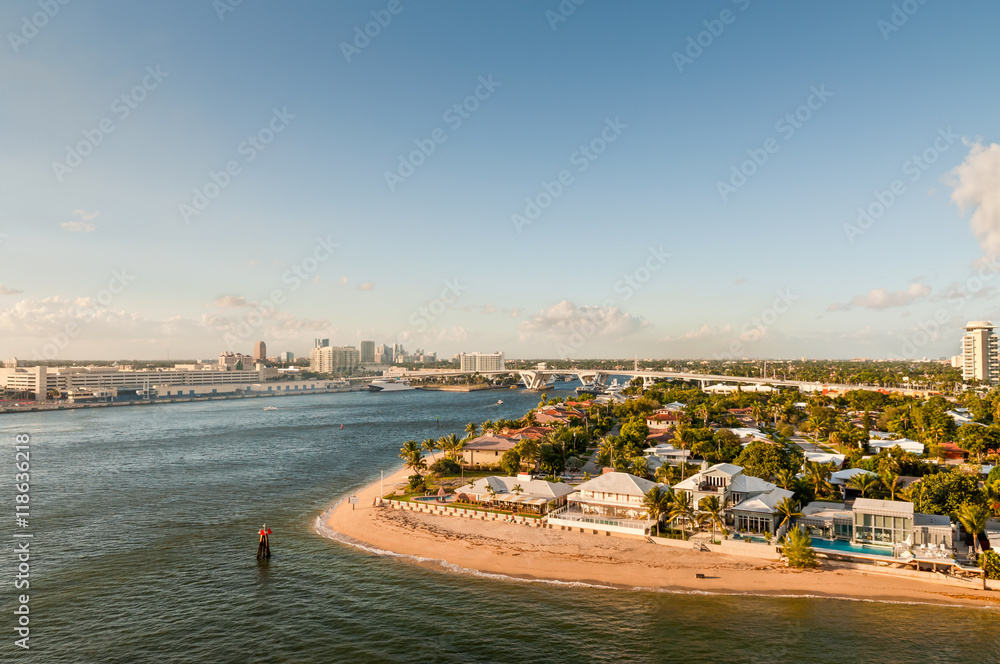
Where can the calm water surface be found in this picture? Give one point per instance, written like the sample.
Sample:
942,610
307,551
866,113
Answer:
145,520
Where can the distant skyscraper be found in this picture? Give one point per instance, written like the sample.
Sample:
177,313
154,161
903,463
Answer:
367,351
287,356
334,359
979,353
321,343
260,351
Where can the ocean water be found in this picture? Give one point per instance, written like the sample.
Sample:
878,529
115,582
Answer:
145,520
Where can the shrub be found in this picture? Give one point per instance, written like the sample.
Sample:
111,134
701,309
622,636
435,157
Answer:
446,466
797,547
416,484
989,561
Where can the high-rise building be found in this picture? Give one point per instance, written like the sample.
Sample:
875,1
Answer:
287,356
979,353
367,351
260,351
481,362
321,343
334,359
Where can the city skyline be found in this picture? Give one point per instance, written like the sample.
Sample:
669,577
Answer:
244,174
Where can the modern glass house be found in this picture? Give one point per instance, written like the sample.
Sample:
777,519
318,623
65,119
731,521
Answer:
868,521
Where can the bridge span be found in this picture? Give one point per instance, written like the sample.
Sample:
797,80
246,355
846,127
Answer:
540,379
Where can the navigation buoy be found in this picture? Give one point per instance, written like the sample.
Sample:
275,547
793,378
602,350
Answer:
264,546
341,426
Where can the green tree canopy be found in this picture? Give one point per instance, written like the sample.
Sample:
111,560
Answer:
945,493
763,460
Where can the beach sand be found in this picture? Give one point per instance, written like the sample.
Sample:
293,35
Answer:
539,553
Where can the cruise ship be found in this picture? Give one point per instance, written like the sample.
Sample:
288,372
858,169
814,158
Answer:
390,385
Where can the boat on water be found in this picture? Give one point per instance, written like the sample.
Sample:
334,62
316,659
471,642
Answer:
499,402
271,408
390,385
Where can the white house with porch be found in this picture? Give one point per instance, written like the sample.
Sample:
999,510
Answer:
611,503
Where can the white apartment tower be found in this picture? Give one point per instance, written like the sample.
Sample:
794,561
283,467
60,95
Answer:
481,362
979,353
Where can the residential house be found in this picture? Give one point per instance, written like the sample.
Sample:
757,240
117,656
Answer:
751,503
486,450
886,523
517,494
611,503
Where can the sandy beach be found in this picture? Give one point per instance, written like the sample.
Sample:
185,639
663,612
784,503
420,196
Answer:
523,552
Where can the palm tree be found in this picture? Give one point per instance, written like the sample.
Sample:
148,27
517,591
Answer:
702,411
757,412
638,466
517,489
777,410
656,502
472,429
530,450
683,437
864,483
664,474
789,511
681,509
892,484
973,518
785,478
818,475
429,445
488,426
714,510
411,455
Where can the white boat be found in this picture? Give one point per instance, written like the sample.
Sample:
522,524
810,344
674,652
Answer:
499,402
390,385
271,408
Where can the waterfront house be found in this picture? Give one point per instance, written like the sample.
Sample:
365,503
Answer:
889,523
751,503
516,494
610,503
486,450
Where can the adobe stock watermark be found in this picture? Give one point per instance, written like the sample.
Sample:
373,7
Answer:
697,44
563,11
930,329
60,341
787,126
363,35
323,250
121,107
454,116
426,314
596,319
223,7
249,149
31,25
632,282
884,199
900,15
581,160
756,327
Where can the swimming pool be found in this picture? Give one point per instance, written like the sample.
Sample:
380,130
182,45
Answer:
841,546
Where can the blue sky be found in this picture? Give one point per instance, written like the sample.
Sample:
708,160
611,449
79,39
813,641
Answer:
102,260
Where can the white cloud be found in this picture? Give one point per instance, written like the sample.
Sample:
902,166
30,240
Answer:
366,286
78,227
565,318
342,281
976,184
882,298
706,331
9,291
231,302
86,216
